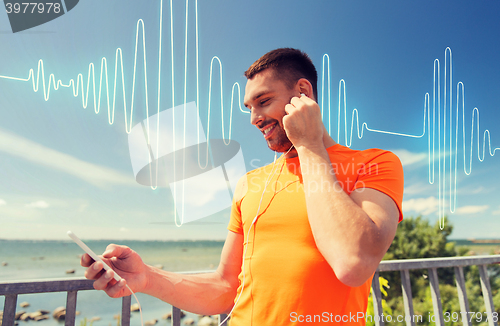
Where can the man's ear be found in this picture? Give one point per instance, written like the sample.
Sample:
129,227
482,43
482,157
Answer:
303,86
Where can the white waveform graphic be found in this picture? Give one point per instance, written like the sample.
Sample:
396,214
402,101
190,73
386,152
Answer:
91,87
443,122
447,168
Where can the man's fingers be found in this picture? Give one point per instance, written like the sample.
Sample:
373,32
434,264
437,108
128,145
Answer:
295,100
102,282
289,108
86,260
113,250
94,271
107,283
296,104
306,99
115,289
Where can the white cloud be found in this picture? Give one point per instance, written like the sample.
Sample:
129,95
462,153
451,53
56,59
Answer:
92,173
472,189
423,206
419,188
497,212
38,204
3,202
408,158
472,209
479,190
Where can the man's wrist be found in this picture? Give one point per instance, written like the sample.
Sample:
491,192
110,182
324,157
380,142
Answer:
151,274
311,148
312,154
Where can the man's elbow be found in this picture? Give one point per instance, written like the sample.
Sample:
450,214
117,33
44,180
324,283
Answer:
355,272
229,302
229,291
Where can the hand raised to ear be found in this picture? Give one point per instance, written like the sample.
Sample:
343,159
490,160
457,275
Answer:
302,122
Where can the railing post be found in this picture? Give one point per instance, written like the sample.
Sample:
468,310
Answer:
462,295
69,319
486,289
436,297
9,309
176,316
377,301
126,302
407,297
222,317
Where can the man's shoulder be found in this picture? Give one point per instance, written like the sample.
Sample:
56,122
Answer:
261,170
251,177
364,155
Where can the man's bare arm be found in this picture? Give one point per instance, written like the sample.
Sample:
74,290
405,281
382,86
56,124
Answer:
208,294
351,232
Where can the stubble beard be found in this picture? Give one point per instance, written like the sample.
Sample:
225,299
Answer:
279,142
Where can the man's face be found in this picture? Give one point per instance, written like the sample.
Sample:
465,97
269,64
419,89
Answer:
266,97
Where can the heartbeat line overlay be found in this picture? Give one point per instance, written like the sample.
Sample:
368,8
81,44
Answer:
435,107
429,120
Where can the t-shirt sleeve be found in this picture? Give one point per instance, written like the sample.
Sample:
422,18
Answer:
235,222
385,174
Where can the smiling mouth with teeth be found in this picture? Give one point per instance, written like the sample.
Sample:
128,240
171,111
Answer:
267,131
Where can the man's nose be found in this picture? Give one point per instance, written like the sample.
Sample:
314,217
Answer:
256,117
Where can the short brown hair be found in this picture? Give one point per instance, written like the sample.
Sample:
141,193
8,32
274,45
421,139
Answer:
289,65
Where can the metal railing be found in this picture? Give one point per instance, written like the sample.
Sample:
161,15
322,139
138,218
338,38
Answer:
11,290
432,264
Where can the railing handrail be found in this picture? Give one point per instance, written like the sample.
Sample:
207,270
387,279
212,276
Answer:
41,286
439,262
58,284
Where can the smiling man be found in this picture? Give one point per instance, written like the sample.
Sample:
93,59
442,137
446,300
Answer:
306,232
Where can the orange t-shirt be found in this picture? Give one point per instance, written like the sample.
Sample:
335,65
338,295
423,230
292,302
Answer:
287,281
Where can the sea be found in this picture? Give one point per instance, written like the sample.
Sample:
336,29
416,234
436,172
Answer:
24,260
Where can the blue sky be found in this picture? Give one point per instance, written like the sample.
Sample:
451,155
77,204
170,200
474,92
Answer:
64,166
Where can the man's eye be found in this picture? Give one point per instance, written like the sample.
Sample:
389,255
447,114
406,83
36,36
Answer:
263,102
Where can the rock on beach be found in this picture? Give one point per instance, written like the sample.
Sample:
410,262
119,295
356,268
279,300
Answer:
189,321
207,321
19,314
59,313
134,307
151,322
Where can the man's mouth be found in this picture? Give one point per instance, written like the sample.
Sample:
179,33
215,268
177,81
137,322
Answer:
268,131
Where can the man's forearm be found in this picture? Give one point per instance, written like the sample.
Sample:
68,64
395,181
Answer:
206,294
